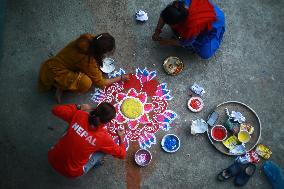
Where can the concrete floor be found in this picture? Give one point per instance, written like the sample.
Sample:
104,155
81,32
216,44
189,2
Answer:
248,68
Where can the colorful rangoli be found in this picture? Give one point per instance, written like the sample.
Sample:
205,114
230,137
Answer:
141,104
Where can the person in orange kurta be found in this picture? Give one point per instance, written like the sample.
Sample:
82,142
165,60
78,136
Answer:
77,66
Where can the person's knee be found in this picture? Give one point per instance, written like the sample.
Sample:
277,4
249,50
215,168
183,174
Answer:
209,49
209,45
84,84
206,55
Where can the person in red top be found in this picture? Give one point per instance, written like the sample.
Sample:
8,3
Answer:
86,140
198,26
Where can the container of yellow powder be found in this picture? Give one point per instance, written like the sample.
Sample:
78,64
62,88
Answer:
244,136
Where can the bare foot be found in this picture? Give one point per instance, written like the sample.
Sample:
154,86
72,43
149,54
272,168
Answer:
58,94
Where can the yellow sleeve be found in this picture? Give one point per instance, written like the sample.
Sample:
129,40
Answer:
92,70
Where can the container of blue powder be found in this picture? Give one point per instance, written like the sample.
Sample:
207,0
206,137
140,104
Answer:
170,143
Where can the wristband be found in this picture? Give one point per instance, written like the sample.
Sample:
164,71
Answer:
78,106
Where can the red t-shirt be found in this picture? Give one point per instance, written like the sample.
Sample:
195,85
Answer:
74,148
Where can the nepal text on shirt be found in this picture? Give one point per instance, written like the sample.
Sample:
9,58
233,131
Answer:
84,134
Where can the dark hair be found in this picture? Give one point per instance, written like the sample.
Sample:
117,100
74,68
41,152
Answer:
104,113
174,13
100,45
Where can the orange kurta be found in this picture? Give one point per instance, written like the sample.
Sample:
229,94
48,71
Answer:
72,68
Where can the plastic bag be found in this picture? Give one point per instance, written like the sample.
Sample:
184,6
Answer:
263,151
249,157
198,126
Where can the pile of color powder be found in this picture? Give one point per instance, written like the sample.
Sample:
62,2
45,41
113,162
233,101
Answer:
171,143
219,133
195,104
142,158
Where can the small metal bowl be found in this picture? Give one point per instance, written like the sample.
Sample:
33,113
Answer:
143,157
173,65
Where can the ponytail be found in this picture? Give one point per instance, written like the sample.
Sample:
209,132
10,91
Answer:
100,45
93,119
103,114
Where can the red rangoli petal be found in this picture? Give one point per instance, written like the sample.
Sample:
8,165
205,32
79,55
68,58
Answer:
132,93
134,137
150,87
152,128
143,78
160,104
119,118
148,107
135,134
133,82
111,89
142,97
144,119
120,96
116,107
132,124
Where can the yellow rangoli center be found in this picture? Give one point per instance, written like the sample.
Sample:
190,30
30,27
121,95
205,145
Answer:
131,108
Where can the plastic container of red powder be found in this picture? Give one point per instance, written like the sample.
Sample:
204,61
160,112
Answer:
219,133
195,104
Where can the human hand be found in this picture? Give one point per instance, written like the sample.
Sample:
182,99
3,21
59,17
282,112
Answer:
86,107
125,77
121,135
156,36
169,42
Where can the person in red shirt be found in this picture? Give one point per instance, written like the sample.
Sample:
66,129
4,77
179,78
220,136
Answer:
86,140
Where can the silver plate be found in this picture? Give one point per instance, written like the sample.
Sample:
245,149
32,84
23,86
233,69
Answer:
173,65
251,118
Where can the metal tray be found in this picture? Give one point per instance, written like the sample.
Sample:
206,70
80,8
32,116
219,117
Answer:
251,117
173,65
